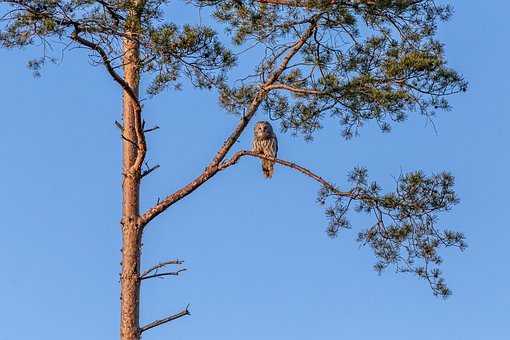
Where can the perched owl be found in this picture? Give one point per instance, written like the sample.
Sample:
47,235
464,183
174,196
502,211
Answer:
265,143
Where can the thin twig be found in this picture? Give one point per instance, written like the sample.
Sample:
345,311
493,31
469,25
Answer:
119,125
151,129
148,171
165,320
160,265
176,273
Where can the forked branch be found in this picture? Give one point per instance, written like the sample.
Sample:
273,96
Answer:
159,266
151,129
214,165
107,63
405,234
149,170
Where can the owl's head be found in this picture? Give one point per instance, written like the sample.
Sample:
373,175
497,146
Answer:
263,130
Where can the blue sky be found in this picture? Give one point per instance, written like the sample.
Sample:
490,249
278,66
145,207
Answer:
259,262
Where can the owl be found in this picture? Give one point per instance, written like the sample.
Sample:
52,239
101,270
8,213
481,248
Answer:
265,143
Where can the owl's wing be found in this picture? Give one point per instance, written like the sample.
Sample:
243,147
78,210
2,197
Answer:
275,147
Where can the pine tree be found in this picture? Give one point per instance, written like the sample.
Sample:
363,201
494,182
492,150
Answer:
353,60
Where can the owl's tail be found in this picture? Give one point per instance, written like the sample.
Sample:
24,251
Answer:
267,168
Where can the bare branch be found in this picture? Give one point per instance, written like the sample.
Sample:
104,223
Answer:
151,129
148,171
165,320
119,125
176,273
265,88
159,266
141,145
235,158
212,168
295,90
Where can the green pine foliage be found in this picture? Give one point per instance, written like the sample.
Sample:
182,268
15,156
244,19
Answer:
360,61
405,234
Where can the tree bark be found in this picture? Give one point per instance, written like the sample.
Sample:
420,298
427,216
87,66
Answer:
131,229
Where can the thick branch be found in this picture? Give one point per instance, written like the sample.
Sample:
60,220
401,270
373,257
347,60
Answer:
116,16
140,143
265,88
235,158
119,125
213,167
151,129
165,320
292,3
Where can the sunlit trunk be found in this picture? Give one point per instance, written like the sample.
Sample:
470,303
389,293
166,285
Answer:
131,232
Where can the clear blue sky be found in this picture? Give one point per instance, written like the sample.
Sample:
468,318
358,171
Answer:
260,264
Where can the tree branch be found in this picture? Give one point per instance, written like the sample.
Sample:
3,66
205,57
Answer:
292,3
235,158
176,273
159,266
165,320
213,166
107,63
128,140
116,16
148,171
151,129
265,88
296,90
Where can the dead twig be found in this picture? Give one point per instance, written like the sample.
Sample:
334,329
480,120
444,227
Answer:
165,320
159,266
161,275
149,170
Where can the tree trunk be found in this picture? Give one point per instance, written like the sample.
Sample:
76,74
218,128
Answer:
131,230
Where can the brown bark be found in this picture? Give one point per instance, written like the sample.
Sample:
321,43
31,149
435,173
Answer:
133,151
133,154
